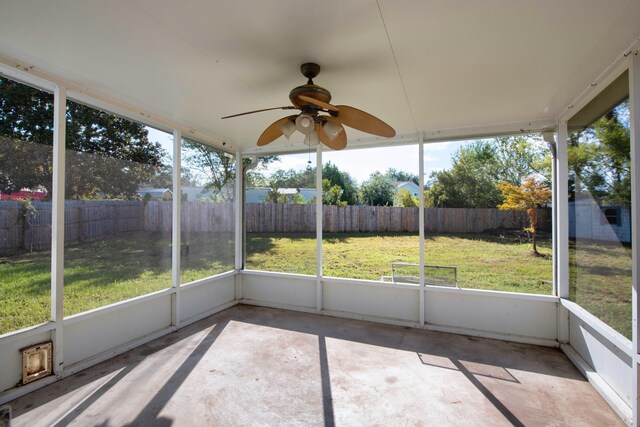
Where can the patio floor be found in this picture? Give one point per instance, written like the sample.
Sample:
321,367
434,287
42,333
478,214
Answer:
252,365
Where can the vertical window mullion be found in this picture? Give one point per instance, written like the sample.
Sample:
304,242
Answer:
57,221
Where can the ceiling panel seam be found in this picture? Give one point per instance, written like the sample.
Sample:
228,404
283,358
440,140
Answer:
395,60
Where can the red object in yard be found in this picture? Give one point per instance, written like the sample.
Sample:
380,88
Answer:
24,195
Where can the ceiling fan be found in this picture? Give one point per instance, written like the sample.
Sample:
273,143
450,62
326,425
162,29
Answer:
318,120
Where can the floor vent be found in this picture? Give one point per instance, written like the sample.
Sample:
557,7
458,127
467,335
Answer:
36,362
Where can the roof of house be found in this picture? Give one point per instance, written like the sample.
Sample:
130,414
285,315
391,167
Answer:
154,192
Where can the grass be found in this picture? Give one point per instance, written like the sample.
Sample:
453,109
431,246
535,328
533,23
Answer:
97,274
484,261
102,273
600,281
600,274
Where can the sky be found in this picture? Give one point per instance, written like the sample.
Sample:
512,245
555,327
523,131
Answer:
359,163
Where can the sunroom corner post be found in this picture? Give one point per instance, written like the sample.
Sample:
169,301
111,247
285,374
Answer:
176,227
549,138
319,228
562,222
421,224
634,122
57,223
239,222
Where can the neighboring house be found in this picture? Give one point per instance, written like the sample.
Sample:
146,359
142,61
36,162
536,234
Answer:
259,194
24,194
200,194
193,194
588,220
196,194
155,193
411,186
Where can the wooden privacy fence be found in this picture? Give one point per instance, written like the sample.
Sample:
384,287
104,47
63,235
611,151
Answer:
93,220
280,218
266,218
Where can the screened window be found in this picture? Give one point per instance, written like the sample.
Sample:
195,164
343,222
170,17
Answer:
208,211
370,214
118,209
26,165
477,220
280,214
599,217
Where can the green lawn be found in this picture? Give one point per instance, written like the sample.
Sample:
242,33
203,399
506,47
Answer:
102,273
600,281
484,261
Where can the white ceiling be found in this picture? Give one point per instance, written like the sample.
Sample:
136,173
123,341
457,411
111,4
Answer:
421,65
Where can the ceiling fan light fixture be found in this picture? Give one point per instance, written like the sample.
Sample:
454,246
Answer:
332,130
312,139
287,128
312,100
305,123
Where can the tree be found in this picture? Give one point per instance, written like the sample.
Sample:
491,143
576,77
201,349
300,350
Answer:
273,196
331,194
24,164
470,183
164,178
216,170
600,156
478,167
378,190
405,199
294,179
402,176
297,199
343,180
345,187
526,197
518,157
108,156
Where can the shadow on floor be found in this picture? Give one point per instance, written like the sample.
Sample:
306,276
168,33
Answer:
475,358
115,370
504,354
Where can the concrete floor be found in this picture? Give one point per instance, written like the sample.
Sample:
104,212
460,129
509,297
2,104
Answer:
260,366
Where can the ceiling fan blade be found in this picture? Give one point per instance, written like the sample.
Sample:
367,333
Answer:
320,104
272,133
288,107
339,142
363,121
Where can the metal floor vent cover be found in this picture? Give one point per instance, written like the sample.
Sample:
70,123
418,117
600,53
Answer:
36,362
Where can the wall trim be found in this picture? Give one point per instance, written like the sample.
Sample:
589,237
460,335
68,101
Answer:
610,334
600,385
